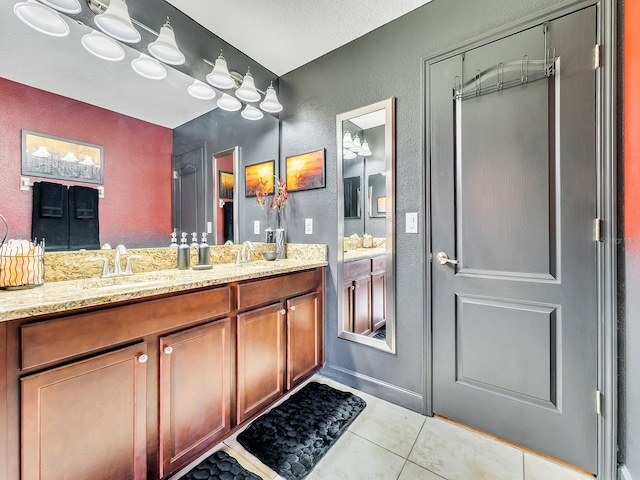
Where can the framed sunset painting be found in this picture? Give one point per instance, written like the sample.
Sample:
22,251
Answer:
256,174
305,171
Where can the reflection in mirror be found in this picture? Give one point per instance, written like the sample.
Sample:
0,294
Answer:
366,222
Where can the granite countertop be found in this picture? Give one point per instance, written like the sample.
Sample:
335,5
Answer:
67,295
360,253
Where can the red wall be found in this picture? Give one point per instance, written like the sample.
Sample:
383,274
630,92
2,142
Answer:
632,123
136,210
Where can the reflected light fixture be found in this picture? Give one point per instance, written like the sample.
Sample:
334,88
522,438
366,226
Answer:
270,104
229,103
165,48
41,152
201,91
251,113
364,151
348,154
356,147
148,67
219,76
347,141
41,18
247,91
102,46
69,157
115,21
64,6
87,160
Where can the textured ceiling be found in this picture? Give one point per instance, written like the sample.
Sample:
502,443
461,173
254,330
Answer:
283,35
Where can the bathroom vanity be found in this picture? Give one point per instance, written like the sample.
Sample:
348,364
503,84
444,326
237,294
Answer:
134,380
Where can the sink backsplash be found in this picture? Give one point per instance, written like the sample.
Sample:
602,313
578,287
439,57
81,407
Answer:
60,266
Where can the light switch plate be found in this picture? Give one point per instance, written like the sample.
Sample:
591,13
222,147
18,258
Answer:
256,227
209,227
411,222
308,226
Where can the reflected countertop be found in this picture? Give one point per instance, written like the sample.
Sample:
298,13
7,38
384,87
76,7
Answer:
360,253
55,297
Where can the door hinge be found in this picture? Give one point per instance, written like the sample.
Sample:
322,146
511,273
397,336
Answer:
597,230
597,56
175,174
599,402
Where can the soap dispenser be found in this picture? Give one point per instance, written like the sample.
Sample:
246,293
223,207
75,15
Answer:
184,253
204,252
174,239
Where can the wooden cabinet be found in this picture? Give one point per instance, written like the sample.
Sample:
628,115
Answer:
86,419
364,291
261,359
195,391
303,337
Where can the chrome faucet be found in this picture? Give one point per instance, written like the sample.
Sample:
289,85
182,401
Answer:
117,266
247,247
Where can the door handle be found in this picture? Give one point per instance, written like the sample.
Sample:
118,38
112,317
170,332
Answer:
442,258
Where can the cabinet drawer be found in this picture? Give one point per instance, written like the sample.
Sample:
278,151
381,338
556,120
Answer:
357,269
379,264
260,292
55,340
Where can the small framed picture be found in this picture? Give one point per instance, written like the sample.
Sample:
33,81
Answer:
225,185
256,174
305,171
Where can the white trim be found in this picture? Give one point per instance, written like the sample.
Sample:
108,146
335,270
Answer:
623,473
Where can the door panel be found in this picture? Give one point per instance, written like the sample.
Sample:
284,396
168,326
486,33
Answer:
513,182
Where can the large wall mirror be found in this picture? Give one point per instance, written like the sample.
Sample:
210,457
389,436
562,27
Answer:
366,220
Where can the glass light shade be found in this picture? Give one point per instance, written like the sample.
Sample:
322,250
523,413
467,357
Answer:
347,141
41,152
201,91
102,46
348,155
87,160
270,104
364,151
115,21
165,48
229,103
69,157
219,76
251,113
41,18
148,67
356,147
247,91
65,6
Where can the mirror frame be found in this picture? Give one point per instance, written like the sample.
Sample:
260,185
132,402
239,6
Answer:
388,105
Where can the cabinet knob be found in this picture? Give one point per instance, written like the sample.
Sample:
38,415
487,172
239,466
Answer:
283,311
168,350
143,358
293,308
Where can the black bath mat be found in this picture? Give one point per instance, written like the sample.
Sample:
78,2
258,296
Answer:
380,334
220,466
295,435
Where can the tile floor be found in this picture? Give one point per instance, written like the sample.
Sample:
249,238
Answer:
387,442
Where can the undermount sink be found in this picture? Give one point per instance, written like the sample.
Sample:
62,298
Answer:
122,281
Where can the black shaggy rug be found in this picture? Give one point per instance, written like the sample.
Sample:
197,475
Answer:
295,435
220,466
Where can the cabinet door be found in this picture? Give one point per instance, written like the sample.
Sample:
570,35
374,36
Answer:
261,359
362,306
86,419
303,337
195,391
378,299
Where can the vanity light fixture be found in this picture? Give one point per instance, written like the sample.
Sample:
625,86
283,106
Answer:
165,48
229,103
70,157
251,113
41,152
219,76
247,91
364,151
270,104
41,18
116,22
348,154
64,6
148,67
347,140
102,46
356,147
201,91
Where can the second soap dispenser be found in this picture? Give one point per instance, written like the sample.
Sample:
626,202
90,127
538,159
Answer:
204,252
184,253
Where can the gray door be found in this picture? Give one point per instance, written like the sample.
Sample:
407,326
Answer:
513,185
188,192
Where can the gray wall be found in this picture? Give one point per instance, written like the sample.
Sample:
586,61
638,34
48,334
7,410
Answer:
384,63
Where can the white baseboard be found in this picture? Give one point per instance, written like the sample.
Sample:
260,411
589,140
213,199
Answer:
623,473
